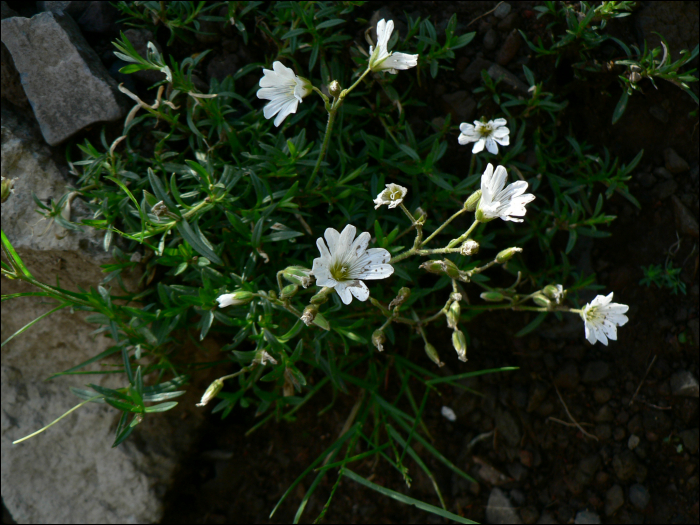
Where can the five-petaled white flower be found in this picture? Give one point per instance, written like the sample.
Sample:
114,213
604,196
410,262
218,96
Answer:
283,89
393,196
601,318
346,260
485,134
497,201
381,59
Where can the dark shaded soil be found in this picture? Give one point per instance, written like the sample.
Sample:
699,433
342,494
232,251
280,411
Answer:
641,439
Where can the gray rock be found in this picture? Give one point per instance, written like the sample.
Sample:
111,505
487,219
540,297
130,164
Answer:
508,22
604,415
587,468
683,383
499,508
685,220
639,496
690,440
603,432
509,49
586,516
567,376
596,371
674,162
490,39
663,173
503,10
627,467
614,499
508,80
73,9
65,82
11,85
460,105
538,392
473,71
68,474
99,17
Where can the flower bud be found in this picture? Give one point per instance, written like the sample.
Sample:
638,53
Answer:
289,291
541,300
7,190
479,216
433,355
298,275
234,299
401,297
555,292
506,254
453,315
334,89
309,314
378,339
470,247
460,344
492,297
421,215
322,296
211,392
442,267
473,201
263,357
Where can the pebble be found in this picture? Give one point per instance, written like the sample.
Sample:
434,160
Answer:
656,421
663,173
674,162
508,80
683,383
547,519
509,48
603,432
596,371
604,415
499,508
659,113
502,11
586,516
538,393
529,514
685,220
567,376
635,424
491,39
461,105
473,71
665,189
633,442
508,427
625,465
448,414
517,471
508,22
646,180
690,440
587,468
619,434
614,499
602,395
639,496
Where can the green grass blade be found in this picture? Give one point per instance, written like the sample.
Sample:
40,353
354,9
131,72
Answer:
14,257
25,327
407,500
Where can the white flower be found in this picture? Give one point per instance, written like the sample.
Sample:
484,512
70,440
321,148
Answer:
393,196
497,201
601,318
381,59
283,89
485,134
234,299
346,260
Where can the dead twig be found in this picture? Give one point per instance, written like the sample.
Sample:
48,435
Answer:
566,423
486,13
572,417
642,381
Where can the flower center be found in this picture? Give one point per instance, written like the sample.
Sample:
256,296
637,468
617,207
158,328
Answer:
340,272
395,194
485,130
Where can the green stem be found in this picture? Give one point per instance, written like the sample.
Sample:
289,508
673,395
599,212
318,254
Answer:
462,238
448,221
57,420
324,146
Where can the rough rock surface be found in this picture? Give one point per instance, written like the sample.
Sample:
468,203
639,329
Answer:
70,473
63,78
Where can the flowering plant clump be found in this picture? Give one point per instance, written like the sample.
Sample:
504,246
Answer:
220,212
346,260
488,134
602,317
